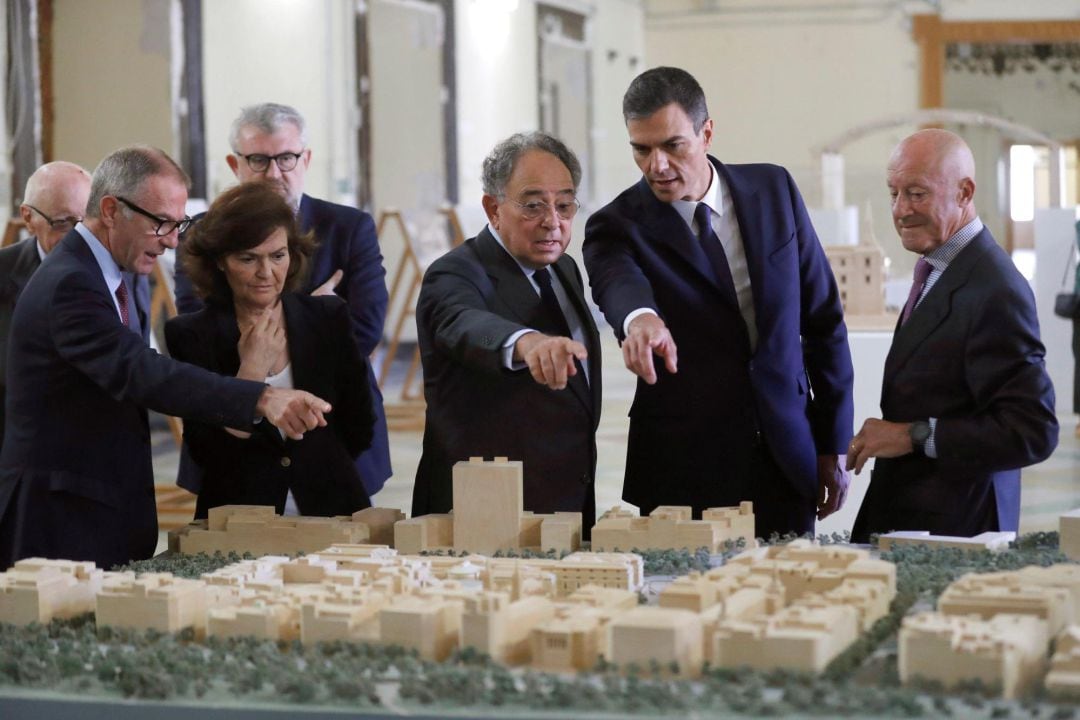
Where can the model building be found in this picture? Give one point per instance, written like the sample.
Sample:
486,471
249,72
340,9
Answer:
671,528
489,516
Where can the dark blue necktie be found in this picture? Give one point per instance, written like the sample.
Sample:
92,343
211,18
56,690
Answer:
714,251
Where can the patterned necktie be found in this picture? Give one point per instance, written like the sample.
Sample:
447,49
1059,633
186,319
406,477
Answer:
922,271
122,300
714,251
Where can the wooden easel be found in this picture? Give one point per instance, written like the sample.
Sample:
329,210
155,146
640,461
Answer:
408,413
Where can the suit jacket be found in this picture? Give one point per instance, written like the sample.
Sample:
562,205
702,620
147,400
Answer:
76,479
17,263
969,355
472,299
694,431
347,241
321,468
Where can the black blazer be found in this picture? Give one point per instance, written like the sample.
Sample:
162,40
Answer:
17,263
472,299
969,355
76,479
321,468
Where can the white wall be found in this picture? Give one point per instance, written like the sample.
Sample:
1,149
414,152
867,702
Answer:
114,91
780,84
960,10
297,53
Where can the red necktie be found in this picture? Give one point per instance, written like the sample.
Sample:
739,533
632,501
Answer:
122,300
922,271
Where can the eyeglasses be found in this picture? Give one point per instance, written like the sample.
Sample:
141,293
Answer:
63,224
566,209
260,163
165,226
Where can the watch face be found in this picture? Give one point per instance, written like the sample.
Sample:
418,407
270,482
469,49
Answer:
920,431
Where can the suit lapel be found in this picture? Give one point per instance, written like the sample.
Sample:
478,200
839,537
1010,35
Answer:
754,225
25,265
581,388
299,333
935,307
667,226
511,285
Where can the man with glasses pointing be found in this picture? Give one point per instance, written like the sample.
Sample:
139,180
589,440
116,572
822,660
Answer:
269,144
510,351
76,477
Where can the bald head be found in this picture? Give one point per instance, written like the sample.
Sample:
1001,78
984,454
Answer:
931,179
54,200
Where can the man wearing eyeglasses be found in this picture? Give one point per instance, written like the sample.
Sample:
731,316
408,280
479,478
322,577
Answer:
76,478
54,200
269,143
510,351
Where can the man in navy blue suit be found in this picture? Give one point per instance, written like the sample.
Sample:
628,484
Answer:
269,143
721,296
965,400
76,477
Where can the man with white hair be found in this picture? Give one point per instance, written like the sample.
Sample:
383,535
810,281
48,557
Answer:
965,400
269,144
54,200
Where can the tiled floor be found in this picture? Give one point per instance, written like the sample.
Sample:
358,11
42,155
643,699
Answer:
1048,490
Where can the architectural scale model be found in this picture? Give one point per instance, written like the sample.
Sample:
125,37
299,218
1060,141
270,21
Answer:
489,516
997,628
860,272
256,529
670,527
1069,534
1063,680
791,606
993,541
36,590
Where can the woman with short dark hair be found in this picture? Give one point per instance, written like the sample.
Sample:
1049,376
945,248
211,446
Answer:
245,258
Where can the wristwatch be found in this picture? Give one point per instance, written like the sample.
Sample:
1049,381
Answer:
920,433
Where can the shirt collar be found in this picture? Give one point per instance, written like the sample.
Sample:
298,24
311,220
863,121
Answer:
713,197
109,269
940,257
527,270
40,250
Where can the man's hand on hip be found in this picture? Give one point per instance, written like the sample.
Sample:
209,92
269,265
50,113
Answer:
646,336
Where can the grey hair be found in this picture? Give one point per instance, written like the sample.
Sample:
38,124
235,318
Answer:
267,118
123,173
661,86
499,165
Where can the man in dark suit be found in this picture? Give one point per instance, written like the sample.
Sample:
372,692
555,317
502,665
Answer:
269,143
716,270
966,401
76,479
510,351
53,201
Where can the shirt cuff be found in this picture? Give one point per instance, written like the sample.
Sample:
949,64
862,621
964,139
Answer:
508,350
632,315
929,447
